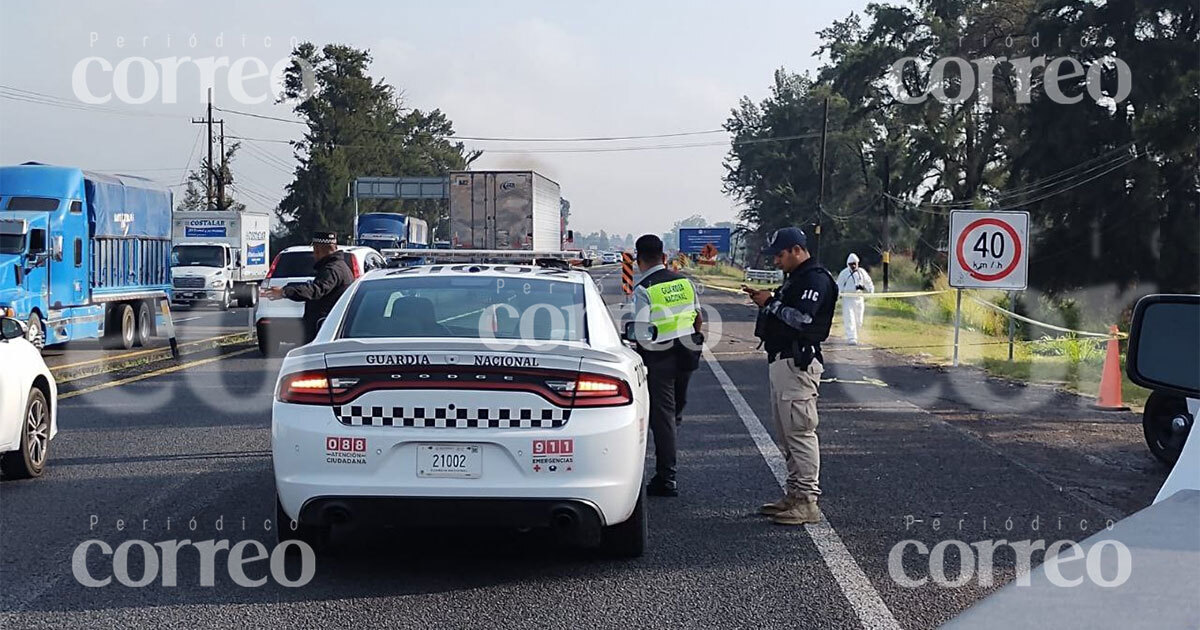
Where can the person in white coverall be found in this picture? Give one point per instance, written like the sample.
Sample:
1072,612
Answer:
853,279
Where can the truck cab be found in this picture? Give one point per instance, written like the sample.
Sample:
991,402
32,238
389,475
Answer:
201,272
219,256
82,254
26,258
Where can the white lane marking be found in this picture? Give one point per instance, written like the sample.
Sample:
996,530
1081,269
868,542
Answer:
863,598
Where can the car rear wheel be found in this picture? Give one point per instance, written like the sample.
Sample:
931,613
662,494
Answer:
286,529
628,539
30,459
268,344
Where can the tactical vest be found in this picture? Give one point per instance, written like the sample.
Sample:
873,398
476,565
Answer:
781,339
672,312
672,308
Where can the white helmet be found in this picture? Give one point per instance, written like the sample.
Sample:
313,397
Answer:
852,258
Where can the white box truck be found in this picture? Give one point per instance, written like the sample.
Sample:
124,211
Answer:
505,210
219,257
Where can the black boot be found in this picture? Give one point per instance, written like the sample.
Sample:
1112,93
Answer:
662,486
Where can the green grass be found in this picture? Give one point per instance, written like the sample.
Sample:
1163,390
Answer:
923,327
902,326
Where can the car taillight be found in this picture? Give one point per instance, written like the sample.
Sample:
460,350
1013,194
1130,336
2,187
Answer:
271,271
354,268
595,390
312,388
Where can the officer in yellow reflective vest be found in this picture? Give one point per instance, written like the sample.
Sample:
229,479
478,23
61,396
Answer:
667,326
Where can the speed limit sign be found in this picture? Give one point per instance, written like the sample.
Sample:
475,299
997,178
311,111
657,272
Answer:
989,250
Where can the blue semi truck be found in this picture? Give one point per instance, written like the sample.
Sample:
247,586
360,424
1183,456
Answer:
82,254
387,230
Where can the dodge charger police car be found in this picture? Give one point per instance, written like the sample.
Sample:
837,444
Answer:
468,395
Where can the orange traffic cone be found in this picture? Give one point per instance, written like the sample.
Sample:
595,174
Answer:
1110,378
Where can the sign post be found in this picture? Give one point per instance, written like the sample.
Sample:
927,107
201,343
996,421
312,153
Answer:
988,250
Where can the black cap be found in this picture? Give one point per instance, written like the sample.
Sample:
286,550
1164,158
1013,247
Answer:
324,238
785,239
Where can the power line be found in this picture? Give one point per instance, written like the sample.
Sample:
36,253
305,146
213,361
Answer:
38,98
191,154
1047,183
1061,174
944,208
500,139
651,147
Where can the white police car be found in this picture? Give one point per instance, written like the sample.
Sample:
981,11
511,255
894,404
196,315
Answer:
465,395
28,404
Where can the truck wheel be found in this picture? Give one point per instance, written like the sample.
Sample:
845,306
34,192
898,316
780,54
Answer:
35,333
249,297
30,459
1166,424
119,330
226,299
628,539
145,325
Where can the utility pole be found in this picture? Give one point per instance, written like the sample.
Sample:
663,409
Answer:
221,173
887,200
208,171
821,188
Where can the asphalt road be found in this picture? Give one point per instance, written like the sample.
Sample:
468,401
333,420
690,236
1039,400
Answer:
141,454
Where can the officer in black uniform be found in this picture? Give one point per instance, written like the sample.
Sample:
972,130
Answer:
330,281
665,302
792,322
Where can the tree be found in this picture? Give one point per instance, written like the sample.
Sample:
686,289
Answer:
357,126
196,195
1111,180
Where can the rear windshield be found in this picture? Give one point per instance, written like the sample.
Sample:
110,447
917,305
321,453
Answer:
300,264
529,309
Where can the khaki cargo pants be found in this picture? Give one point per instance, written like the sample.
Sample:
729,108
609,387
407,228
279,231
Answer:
794,408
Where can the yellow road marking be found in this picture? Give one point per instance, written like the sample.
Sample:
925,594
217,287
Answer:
139,353
142,377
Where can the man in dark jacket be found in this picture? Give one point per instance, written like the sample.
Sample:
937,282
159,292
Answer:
792,322
331,280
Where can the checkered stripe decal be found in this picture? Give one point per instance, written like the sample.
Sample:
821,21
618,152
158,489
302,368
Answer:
452,418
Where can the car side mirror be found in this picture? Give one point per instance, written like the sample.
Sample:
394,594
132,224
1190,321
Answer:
11,328
639,332
1164,344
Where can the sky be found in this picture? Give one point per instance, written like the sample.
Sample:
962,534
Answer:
520,69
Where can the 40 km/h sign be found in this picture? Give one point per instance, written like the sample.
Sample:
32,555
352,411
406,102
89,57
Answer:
989,250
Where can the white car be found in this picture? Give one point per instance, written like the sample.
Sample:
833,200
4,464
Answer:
471,395
610,258
281,321
28,404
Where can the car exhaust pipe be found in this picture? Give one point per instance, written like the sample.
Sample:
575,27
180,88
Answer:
336,514
565,519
